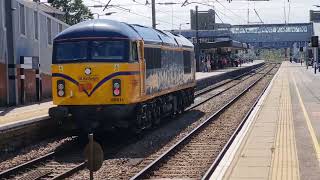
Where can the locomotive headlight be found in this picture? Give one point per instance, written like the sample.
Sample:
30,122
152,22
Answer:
116,87
61,88
61,93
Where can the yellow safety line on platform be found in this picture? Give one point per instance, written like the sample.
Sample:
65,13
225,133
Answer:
306,117
285,164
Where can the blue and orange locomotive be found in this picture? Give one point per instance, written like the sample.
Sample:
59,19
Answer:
109,74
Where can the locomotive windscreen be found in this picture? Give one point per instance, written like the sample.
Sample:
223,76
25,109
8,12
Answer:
91,51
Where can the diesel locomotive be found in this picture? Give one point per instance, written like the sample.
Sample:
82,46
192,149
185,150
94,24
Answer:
108,74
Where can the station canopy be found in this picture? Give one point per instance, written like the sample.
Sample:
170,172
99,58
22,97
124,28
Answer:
230,44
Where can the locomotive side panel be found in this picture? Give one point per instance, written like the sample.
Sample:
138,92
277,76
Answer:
170,73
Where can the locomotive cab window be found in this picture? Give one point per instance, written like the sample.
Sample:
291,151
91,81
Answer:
109,50
134,52
91,51
70,51
187,56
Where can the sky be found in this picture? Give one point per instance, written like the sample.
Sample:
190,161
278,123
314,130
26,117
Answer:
172,16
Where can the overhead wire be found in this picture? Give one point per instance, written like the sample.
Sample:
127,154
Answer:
131,12
230,10
218,12
212,6
148,17
255,10
219,18
258,15
160,11
213,1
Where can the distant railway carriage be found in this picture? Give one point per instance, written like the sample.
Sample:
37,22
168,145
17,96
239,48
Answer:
108,74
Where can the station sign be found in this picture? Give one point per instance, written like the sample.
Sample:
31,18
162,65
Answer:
29,62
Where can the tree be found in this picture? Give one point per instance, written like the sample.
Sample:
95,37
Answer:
75,11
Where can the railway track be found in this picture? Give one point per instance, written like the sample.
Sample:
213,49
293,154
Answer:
54,165
192,156
65,161
57,165
225,86
225,82
42,127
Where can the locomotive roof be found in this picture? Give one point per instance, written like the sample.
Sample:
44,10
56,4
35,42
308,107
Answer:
114,29
98,28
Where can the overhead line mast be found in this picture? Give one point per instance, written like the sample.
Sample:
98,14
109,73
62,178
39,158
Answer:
154,24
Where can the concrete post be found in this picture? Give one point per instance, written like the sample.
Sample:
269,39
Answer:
154,24
12,69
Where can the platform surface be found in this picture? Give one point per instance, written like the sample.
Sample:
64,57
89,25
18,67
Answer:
25,114
281,138
21,114
202,75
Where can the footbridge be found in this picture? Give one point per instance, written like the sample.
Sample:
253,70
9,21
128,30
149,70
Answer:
259,35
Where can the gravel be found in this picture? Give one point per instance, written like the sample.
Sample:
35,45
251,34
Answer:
136,152
195,158
10,160
137,155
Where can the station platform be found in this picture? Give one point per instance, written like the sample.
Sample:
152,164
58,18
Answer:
280,140
15,116
203,75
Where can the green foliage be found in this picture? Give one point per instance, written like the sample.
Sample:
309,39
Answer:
272,55
75,11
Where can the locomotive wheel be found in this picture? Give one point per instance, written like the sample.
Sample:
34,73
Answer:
137,125
143,119
157,115
148,120
180,105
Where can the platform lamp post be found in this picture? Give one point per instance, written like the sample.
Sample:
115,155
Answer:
306,56
197,41
315,45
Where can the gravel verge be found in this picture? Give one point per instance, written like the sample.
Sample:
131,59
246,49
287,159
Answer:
135,156
12,159
130,159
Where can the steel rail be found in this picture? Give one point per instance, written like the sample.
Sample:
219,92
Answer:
9,172
71,171
148,169
208,88
32,164
219,93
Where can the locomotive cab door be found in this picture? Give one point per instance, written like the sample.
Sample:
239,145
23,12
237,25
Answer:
142,63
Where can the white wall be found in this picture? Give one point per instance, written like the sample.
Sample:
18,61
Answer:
316,28
27,45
